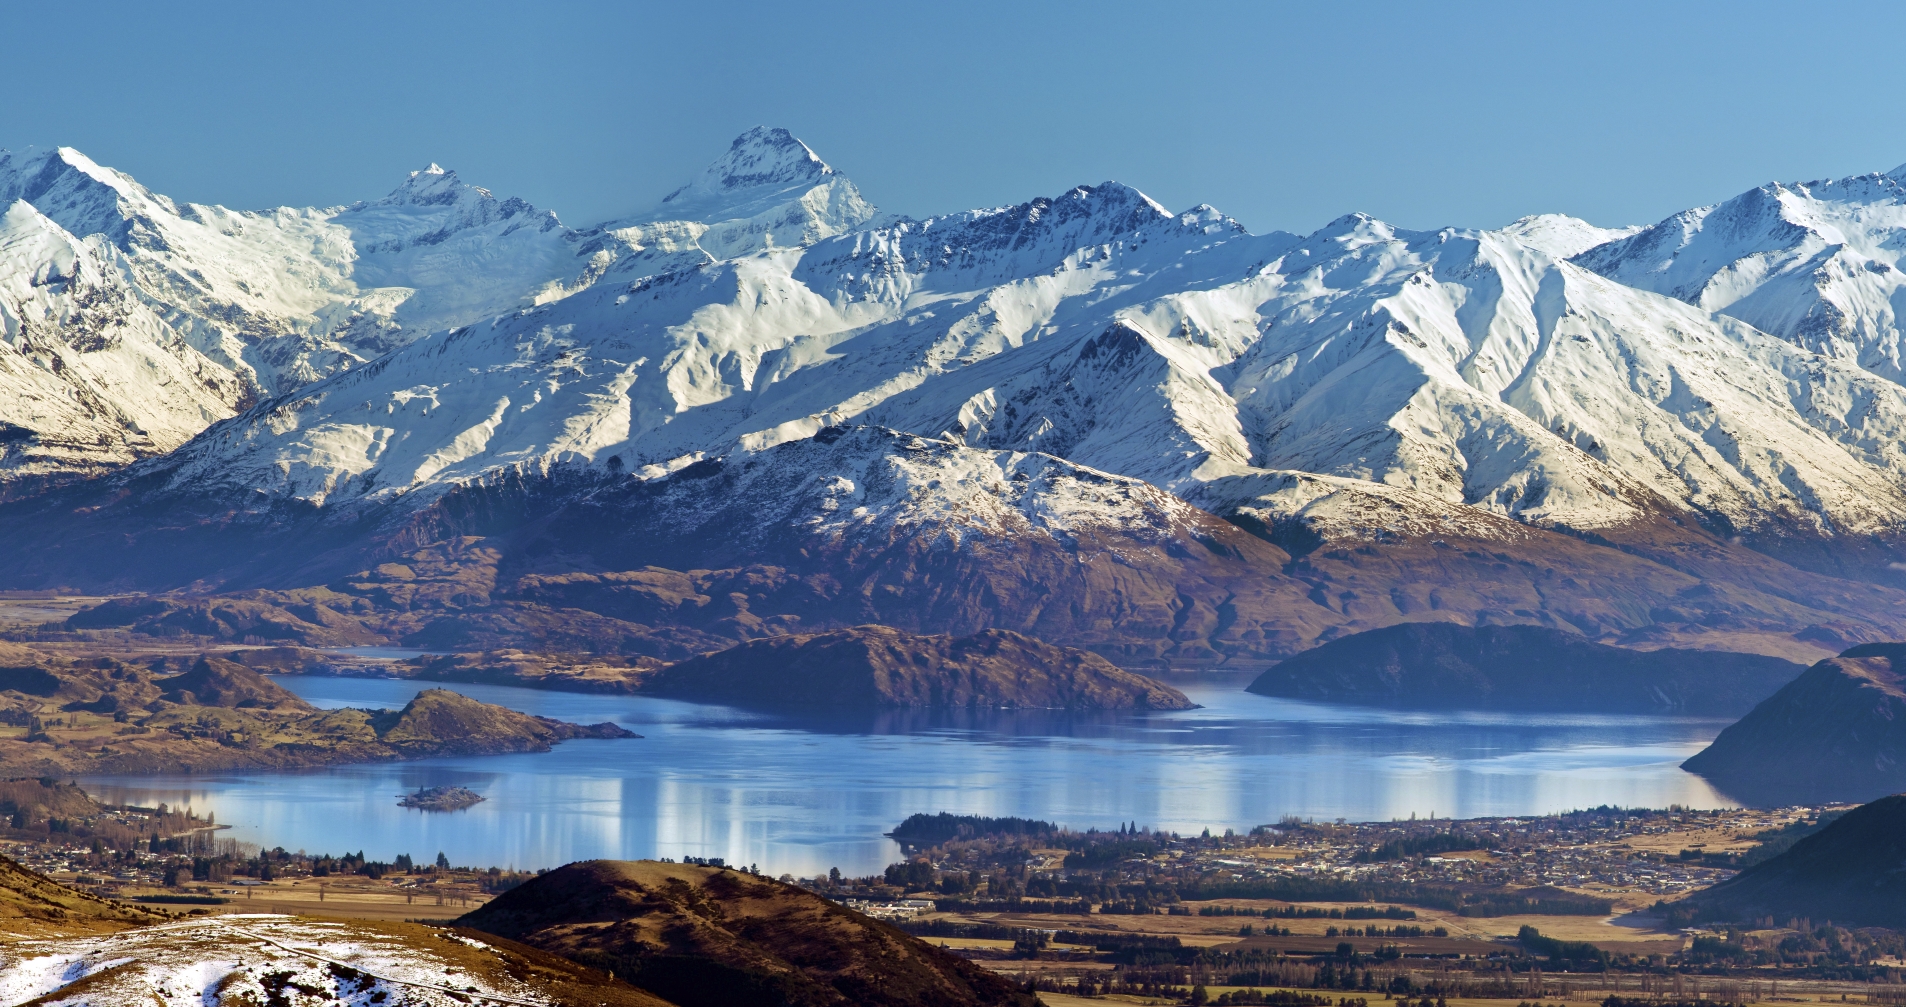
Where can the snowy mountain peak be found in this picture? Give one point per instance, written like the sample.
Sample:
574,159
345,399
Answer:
1564,236
769,190
437,186
79,194
1818,264
760,157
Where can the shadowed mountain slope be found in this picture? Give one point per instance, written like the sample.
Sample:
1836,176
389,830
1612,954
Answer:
1836,733
1442,666
1848,872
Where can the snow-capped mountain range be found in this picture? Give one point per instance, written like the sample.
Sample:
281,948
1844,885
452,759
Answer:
1735,367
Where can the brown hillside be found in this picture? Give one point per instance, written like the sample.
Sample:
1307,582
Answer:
32,905
218,682
705,937
881,667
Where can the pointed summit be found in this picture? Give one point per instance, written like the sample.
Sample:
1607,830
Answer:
769,190
760,158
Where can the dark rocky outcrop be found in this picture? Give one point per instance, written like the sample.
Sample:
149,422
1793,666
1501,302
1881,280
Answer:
1836,733
1446,666
878,667
706,937
1848,872
217,682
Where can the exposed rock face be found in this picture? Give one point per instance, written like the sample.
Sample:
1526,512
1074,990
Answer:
880,667
1847,872
217,682
1441,666
1836,733
441,722
705,937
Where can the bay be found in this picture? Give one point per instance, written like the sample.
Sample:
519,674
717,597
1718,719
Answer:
802,795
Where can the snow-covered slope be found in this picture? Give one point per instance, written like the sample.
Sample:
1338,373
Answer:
1362,381
258,303
282,297
256,958
1563,236
90,377
739,353
1467,368
1816,263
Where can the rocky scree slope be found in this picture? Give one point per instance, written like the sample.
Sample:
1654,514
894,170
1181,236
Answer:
876,667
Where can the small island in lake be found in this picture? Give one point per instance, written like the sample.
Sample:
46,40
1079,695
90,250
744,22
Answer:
442,799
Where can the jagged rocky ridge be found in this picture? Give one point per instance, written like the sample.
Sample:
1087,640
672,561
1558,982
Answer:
1473,422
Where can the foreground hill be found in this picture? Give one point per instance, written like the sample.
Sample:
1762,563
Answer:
32,904
268,959
1836,733
705,937
1848,872
109,716
879,667
1442,666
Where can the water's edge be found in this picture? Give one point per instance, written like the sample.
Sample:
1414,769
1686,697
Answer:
804,795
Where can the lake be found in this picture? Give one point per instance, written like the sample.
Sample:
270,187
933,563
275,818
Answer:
801,796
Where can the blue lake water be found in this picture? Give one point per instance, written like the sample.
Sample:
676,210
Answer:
801,796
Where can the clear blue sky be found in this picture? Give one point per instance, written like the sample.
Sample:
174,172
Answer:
1283,115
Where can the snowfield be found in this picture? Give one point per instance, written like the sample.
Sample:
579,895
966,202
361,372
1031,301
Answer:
239,959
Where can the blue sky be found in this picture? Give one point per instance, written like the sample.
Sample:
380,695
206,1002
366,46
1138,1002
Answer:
1283,115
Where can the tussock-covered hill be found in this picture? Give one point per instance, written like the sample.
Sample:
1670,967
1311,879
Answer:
706,937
